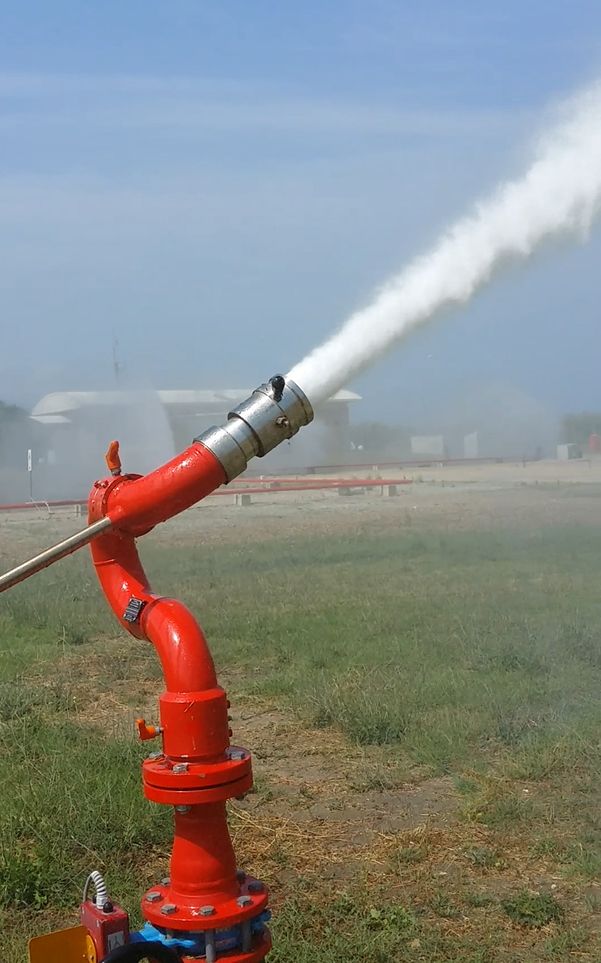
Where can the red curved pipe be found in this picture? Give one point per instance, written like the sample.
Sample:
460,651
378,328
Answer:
181,646
141,504
135,505
178,639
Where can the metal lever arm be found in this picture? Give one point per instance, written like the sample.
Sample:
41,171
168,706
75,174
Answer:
52,554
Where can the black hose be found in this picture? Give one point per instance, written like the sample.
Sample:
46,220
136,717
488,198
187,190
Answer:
135,952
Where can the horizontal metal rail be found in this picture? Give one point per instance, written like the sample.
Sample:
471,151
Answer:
426,462
253,486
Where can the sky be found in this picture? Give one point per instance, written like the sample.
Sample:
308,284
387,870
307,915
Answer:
216,186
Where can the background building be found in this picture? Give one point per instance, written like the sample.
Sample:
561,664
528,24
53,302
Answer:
75,427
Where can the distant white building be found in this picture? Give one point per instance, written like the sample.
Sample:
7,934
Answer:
153,425
431,445
494,419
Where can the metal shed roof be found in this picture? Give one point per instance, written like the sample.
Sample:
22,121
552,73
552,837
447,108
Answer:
55,408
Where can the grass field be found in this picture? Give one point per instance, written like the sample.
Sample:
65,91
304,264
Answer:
426,710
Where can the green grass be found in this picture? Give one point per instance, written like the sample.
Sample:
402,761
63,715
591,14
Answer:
533,909
457,646
62,787
349,927
457,653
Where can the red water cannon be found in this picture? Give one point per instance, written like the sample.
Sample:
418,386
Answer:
207,907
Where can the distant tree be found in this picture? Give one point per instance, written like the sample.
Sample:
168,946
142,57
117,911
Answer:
15,433
11,415
576,428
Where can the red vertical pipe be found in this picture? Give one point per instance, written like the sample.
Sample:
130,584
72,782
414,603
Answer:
203,851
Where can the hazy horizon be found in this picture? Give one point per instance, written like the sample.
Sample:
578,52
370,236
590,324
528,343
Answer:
221,191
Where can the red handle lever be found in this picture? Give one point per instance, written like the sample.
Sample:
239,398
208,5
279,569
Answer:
147,732
113,461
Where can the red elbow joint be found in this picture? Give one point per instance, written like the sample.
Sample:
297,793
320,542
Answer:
145,502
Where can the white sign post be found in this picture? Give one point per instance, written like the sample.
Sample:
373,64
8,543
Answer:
30,471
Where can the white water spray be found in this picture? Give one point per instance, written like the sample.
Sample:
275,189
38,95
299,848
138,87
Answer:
560,193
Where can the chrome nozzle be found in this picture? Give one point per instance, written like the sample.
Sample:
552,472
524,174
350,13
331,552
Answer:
274,413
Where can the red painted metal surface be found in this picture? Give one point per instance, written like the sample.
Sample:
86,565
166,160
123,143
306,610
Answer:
136,504
594,443
197,770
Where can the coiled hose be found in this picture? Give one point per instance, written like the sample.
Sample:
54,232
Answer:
101,897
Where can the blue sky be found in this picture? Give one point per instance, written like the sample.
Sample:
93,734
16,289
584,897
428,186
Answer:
221,183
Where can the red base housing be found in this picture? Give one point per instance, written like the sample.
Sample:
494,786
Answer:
108,930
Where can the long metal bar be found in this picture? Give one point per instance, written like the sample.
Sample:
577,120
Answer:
50,555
